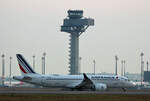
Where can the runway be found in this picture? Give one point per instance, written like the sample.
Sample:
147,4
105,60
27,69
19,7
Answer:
59,91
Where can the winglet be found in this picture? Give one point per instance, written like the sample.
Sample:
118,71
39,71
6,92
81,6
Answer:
85,76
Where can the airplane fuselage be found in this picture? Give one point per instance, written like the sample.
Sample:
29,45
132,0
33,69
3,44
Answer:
64,80
93,82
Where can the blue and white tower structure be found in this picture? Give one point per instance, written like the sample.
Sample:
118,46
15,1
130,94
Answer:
75,24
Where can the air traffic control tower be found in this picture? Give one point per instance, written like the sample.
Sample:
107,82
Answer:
75,24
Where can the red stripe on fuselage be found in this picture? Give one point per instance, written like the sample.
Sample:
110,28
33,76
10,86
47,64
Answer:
22,68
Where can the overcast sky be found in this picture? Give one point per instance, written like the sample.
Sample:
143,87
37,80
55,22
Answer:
31,27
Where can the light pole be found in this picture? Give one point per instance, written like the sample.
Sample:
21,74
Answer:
116,58
142,54
124,62
94,65
122,67
10,71
44,54
33,62
80,58
147,65
42,65
3,68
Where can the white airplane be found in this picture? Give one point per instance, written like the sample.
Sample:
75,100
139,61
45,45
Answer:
73,82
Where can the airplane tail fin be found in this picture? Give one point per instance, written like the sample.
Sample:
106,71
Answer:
23,65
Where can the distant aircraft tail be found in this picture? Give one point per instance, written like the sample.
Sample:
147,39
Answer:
23,65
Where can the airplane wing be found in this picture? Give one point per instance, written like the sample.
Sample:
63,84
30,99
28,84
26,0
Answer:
85,84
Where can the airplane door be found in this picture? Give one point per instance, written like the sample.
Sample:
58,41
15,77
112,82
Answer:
43,81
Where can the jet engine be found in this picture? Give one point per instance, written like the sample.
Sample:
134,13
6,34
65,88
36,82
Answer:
100,86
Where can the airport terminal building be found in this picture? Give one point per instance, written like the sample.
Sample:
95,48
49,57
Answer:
146,76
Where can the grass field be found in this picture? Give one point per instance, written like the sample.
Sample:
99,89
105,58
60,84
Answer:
69,97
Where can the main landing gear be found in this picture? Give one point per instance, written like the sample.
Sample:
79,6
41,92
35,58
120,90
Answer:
124,89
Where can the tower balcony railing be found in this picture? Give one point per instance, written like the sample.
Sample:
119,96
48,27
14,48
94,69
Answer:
71,29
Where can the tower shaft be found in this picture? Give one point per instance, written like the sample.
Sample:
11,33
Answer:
74,53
